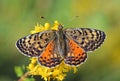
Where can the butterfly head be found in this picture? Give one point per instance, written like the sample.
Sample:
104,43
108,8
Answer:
60,27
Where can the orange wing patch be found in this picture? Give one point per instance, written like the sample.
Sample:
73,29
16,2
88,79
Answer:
75,55
49,58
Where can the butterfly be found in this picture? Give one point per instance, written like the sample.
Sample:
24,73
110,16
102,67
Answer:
51,47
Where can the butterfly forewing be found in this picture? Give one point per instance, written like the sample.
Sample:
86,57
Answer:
33,45
88,39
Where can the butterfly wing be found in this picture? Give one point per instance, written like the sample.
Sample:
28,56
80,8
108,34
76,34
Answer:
75,54
33,45
88,39
50,57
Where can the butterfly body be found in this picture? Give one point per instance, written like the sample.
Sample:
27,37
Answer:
60,42
54,46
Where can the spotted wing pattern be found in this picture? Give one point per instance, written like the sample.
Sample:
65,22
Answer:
33,45
75,54
88,39
50,57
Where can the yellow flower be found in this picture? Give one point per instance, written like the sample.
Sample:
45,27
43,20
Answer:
55,26
39,28
59,72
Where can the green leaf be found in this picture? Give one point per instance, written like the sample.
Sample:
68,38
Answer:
19,71
29,79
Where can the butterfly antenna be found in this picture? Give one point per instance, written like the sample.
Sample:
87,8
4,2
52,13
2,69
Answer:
75,17
72,19
43,19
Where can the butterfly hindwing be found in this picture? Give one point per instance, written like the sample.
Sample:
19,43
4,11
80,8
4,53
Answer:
88,39
33,45
50,57
75,54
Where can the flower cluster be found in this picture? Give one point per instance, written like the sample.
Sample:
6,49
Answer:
59,72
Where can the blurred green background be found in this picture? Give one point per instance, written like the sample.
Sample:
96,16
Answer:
18,17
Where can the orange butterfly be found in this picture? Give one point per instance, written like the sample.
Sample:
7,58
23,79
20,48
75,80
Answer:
53,46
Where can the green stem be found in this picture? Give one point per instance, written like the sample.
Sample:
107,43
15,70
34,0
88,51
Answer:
23,77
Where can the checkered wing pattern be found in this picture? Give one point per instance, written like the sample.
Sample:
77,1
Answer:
86,38
33,45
